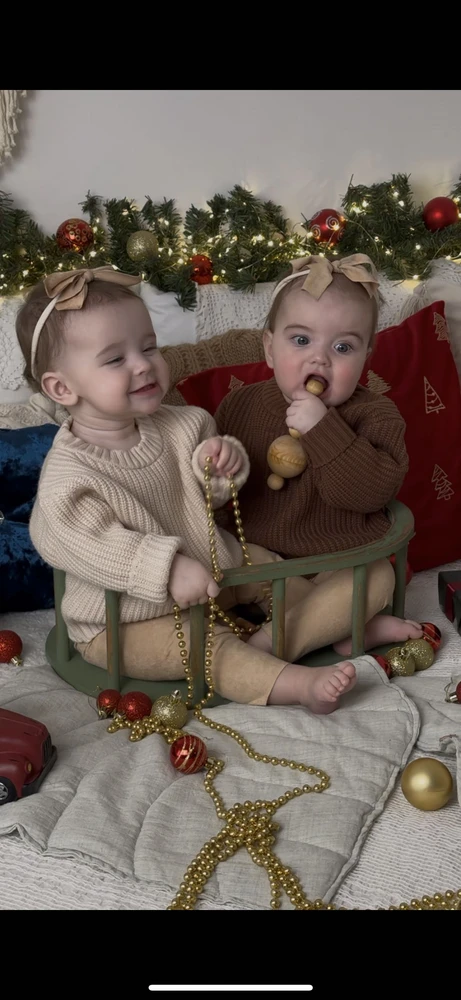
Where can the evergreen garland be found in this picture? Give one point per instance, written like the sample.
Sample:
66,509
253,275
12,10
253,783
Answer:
247,239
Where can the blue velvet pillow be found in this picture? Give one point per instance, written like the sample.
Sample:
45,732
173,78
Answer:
29,581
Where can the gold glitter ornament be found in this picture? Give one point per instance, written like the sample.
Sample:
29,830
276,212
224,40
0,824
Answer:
422,653
400,661
170,709
142,245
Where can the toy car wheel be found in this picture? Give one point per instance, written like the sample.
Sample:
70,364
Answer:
8,792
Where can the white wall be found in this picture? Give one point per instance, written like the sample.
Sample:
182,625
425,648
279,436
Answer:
299,147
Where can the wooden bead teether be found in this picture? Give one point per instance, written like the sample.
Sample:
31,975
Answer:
285,456
316,387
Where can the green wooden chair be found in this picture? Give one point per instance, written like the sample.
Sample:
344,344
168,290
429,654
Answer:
86,677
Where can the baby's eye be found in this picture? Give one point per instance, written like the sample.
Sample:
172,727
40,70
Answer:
300,340
343,348
115,361
150,350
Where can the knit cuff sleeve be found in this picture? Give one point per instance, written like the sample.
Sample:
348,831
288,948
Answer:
220,487
328,439
150,570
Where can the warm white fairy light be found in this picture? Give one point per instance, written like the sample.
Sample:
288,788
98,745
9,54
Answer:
415,277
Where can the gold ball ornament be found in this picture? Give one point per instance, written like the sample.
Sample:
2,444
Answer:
422,653
427,784
400,661
286,459
170,710
142,245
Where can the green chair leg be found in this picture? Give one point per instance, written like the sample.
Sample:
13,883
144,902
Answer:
398,606
113,640
278,618
359,595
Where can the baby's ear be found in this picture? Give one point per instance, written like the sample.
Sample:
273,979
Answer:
267,344
55,387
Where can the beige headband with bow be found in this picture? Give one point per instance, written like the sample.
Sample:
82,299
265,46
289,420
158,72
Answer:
320,272
69,289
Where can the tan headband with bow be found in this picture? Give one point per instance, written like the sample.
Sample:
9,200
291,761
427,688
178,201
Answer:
320,272
69,289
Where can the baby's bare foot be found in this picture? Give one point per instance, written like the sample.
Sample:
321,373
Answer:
318,688
382,629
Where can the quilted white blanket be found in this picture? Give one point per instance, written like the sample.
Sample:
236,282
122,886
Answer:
114,827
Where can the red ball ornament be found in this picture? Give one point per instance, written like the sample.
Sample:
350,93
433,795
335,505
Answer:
107,702
10,647
385,665
134,705
327,226
432,635
458,691
188,754
440,212
202,270
74,234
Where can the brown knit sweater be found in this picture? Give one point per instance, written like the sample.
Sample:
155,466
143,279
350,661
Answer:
357,462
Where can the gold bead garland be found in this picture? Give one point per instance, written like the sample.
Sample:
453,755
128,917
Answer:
248,824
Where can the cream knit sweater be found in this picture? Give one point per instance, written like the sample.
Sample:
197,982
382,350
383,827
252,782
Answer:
115,519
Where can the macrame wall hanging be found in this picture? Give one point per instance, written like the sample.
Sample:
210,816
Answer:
9,111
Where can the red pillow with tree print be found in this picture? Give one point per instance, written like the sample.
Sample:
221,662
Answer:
413,364
207,389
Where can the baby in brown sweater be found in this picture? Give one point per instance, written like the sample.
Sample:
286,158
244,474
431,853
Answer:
322,325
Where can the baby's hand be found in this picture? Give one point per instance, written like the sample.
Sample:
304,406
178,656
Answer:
190,582
226,460
303,414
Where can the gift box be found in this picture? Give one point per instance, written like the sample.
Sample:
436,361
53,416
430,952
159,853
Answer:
450,596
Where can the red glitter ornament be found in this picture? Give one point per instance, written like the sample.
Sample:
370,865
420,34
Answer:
188,754
74,234
432,635
134,705
327,226
10,647
107,702
202,270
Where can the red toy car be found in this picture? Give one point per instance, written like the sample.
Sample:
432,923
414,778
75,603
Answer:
26,755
